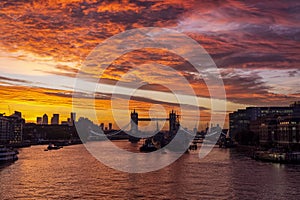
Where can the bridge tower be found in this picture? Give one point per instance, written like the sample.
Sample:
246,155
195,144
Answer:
134,127
173,122
134,121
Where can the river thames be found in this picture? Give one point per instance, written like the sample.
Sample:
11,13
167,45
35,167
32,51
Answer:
72,173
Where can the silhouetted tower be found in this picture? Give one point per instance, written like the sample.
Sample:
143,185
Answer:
134,121
173,122
55,119
102,126
39,120
72,118
45,119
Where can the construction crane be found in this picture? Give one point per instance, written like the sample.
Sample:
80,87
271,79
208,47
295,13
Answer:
9,109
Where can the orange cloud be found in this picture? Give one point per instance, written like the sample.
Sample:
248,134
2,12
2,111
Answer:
242,36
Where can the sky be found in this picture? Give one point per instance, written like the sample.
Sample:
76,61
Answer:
44,44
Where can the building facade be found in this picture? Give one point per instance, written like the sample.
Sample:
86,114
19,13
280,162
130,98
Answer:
45,119
55,119
4,129
11,128
267,126
39,120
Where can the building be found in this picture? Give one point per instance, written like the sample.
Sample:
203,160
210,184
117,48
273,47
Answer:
16,128
65,122
238,121
4,127
73,118
17,114
267,132
242,119
288,133
45,119
55,119
281,132
102,126
266,126
39,120
11,128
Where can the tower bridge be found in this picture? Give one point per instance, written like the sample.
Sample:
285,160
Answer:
173,123
173,119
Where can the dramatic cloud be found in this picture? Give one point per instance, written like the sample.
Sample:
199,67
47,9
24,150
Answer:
254,43
12,80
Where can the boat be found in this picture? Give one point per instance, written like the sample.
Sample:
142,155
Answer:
148,146
226,143
277,156
7,155
53,147
193,146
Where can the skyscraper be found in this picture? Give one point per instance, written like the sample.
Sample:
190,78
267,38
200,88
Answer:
55,119
45,119
17,114
102,126
73,118
38,120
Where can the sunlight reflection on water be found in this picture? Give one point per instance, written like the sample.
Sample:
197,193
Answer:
72,172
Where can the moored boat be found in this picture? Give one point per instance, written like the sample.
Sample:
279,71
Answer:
53,147
148,146
7,155
277,156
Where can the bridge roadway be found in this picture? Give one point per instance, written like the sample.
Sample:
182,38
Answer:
153,119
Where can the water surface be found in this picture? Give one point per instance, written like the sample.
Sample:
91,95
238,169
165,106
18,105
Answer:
71,173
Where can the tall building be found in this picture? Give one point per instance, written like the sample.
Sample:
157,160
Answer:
45,119
241,119
72,118
267,126
16,127
11,128
55,119
102,126
17,114
39,120
4,126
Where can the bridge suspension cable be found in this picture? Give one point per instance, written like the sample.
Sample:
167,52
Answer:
207,135
110,134
186,131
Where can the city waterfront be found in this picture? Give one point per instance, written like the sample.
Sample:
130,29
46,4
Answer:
71,173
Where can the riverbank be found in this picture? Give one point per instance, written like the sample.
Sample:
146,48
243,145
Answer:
43,142
271,155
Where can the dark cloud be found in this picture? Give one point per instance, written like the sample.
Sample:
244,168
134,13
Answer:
12,80
248,34
163,103
251,89
237,34
293,73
